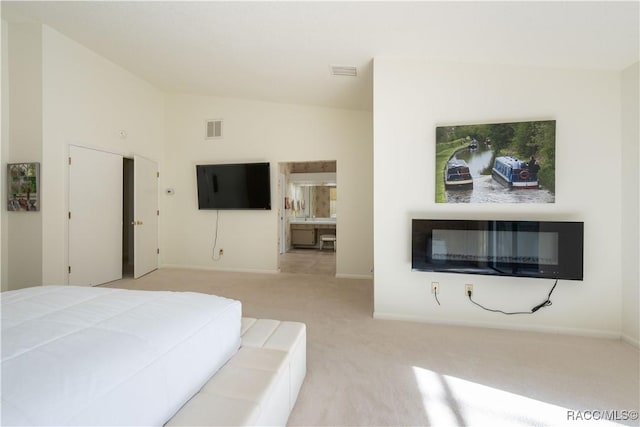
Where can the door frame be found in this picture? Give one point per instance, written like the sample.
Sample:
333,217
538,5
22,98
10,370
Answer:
128,155
102,266
139,214
282,181
283,192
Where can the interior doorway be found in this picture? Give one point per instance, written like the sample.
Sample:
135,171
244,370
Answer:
95,216
127,218
139,216
308,217
113,216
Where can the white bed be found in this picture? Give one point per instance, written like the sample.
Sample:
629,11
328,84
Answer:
96,356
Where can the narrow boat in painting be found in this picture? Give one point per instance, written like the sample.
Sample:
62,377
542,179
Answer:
514,173
457,175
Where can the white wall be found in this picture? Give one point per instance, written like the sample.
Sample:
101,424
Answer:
4,155
411,98
630,204
260,131
87,100
24,229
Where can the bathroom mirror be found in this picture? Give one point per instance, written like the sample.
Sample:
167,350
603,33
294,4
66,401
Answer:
314,201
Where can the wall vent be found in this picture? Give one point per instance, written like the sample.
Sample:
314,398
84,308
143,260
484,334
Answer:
343,70
213,129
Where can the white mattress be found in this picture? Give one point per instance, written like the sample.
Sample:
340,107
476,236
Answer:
96,356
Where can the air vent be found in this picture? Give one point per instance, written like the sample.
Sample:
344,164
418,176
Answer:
213,129
342,70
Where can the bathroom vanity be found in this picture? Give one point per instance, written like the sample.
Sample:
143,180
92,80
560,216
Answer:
306,232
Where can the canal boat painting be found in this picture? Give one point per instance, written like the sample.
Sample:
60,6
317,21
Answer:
511,172
457,175
496,163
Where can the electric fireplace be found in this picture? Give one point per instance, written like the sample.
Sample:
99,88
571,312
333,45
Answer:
543,249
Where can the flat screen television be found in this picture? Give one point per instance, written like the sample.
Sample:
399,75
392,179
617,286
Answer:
234,186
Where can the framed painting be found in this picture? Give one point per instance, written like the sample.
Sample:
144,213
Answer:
23,187
496,163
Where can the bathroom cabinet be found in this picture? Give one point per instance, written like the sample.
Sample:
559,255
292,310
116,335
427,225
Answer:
303,235
309,234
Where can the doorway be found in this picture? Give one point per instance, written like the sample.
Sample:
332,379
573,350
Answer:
113,216
127,218
308,217
139,216
95,217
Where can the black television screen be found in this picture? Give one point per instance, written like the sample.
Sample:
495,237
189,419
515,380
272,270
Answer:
234,186
543,249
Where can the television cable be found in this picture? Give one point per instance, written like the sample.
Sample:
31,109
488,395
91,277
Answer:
545,303
215,239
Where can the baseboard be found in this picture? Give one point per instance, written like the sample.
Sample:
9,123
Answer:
631,341
354,276
199,267
248,270
592,333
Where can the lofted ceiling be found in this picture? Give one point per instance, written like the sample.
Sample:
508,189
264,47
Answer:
283,51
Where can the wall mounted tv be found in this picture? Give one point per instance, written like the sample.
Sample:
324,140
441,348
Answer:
234,186
543,249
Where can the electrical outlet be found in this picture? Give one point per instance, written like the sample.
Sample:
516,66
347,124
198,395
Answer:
221,252
435,288
468,289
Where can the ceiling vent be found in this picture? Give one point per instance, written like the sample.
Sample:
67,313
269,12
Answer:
343,70
213,129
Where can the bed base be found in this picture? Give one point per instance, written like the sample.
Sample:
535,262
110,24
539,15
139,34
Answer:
257,386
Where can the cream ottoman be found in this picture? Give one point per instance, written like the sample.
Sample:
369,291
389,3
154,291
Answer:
257,386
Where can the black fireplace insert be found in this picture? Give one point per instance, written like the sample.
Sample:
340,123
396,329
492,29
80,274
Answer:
543,249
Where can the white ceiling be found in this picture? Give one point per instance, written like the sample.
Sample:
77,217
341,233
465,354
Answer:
282,51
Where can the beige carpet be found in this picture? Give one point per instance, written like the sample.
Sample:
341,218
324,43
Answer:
308,261
370,372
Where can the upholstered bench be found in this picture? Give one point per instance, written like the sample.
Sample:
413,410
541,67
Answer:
328,238
257,386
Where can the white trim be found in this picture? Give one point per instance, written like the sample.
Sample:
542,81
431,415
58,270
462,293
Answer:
631,341
245,270
282,214
314,178
353,276
198,267
124,154
593,333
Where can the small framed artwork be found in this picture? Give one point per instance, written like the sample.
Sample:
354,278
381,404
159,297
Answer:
23,187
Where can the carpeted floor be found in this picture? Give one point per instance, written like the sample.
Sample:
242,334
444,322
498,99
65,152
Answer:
367,372
309,261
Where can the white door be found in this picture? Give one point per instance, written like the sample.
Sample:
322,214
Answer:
145,212
282,212
95,216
